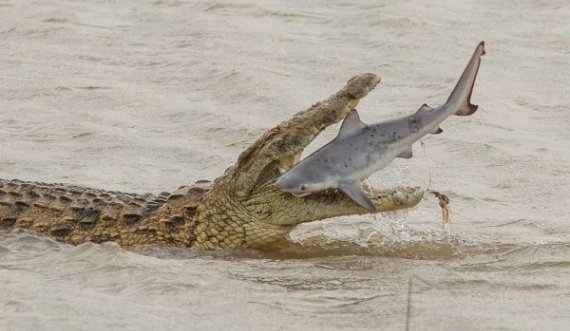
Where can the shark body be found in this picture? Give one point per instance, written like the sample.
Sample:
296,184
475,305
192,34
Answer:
359,150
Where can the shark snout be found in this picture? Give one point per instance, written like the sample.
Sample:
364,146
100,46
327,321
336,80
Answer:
280,183
287,184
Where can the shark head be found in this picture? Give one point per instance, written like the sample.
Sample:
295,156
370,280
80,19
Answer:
300,183
314,173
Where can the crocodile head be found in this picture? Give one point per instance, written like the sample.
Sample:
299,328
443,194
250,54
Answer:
243,208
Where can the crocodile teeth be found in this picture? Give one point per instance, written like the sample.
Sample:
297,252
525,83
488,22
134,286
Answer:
288,162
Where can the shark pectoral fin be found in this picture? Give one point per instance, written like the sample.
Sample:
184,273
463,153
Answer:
407,154
351,124
354,191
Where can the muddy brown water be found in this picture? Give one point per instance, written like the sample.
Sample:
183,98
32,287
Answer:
146,96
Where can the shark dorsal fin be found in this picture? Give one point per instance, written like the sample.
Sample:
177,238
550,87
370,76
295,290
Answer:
351,124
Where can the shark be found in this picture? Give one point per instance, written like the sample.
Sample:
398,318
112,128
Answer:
360,150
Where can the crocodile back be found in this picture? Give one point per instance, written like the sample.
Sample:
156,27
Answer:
74,214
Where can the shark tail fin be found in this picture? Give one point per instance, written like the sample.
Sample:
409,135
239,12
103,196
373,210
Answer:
461,95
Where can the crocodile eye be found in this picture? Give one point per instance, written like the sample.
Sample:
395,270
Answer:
303,187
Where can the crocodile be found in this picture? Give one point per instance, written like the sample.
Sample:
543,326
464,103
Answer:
240,209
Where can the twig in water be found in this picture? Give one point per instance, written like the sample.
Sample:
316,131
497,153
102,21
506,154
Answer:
409,309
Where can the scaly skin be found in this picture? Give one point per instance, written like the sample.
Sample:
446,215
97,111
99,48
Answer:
240,209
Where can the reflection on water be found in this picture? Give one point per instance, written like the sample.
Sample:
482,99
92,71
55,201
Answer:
150,95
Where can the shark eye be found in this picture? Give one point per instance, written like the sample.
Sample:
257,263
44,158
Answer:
303,187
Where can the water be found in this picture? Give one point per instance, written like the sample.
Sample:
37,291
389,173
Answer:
149,95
